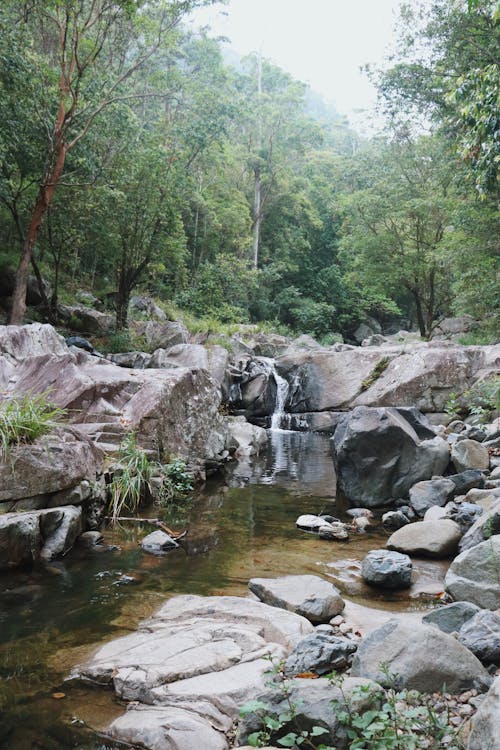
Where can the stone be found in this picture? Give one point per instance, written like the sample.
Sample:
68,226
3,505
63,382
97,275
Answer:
310,522
389,570
469,454
313,701
431,492
158,542
336,531
485,726
435,513
420,657
86,320
380,453
320,653
394,519
451,617
244,439
18,343
146,305
428,538
473,575
481,635
90,539
161,335
307,595
206,648
465,514
37,535
486,525
73,495
135,360
54,463
214,359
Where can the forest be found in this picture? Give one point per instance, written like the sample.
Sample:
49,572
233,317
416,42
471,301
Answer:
136,158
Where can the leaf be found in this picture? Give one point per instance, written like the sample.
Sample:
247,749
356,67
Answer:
316,731
289,740
251,707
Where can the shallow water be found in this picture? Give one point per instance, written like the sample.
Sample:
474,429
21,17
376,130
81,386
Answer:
240,527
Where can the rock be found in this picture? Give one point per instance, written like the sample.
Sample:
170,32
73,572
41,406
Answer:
333,531
420,657
158,542
214,359
390,570
147,306
469,454
394,519
42,534
90,539
54,463
429,538
208,649
473,575
161,335
309,596
265,344
18,343
313,702
485,498
486,525
481,635
172,727
465,514
320,653
451,617
86,319
485,726
424,495
244,439
135,360
450,327
381,453
376,340
73,496
309,522
364,330
435,513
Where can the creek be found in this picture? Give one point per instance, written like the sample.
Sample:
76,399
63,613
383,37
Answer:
240,526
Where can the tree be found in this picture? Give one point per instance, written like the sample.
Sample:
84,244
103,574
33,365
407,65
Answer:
85,52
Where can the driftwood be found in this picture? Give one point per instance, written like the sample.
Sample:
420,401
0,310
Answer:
176,535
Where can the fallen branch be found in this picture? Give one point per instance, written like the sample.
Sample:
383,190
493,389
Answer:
153,521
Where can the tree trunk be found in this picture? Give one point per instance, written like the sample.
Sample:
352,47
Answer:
122,303
257,218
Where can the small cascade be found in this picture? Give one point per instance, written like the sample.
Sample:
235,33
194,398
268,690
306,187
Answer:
281,396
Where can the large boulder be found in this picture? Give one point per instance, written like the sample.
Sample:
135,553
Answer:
451,617
474,577
86,320
161,335
469,454
54,462
381,453
429,538
485,726
18,343
481,635
214,359
309,596
243,438
43,534
418,657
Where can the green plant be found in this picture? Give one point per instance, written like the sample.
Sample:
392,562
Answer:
131,482
452,406
24,419
405,720
377,371
274,726
177,481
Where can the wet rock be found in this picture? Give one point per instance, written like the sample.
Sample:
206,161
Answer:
309,522
90,539
431,492
309,596
451,617
468,454
158,542
481,635
429,538
390,570
321,653
336,531
41,534
485,726
421,657
473,575
381,453
244,439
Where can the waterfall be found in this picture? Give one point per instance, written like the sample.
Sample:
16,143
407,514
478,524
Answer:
281,395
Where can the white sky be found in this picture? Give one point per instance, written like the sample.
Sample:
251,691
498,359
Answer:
321,42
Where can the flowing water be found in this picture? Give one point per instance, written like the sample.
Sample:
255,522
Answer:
241,526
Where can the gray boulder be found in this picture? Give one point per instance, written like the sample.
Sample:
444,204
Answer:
431,492
309,596
320,653
451,617
158,542
486,525
481,635
214,359
380,453
395,519
162,334
485,726
38,535
86,319
429,538
244,438
419,657
390,570
473,575
469,454
146,306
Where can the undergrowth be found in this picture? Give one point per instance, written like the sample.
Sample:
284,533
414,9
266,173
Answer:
25,418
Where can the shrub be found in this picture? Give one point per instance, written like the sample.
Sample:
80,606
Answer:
24,419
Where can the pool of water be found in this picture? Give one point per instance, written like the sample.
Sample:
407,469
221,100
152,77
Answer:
239,527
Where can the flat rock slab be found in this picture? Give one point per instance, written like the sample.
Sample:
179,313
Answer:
430,538
421,657
309,596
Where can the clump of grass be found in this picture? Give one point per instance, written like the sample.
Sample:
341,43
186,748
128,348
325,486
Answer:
375,373
25,418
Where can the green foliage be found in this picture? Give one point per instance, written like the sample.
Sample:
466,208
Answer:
25,418
481,401
377,371
131,481
177,482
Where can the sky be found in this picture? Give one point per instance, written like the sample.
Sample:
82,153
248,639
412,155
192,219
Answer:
320,42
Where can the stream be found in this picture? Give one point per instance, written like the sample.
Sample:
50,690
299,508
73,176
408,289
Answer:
240,526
